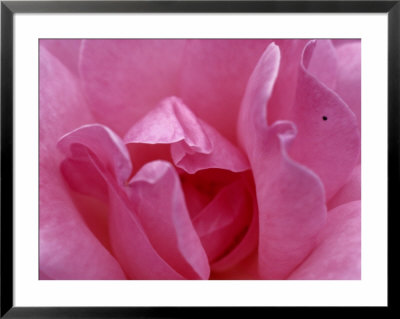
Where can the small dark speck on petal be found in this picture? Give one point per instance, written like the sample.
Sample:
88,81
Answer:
324,118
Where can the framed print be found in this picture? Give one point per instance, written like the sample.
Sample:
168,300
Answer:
178,158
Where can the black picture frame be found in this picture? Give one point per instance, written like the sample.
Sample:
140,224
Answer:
9,8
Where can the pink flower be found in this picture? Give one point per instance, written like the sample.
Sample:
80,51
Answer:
200,159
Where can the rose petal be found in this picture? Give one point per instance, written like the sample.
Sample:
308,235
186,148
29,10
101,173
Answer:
214,77
124,79
148,219
224,221
338,255
166,220
339,42
43,276
104,143
204,185
290,197
248,243
170,122
130,243
156,242
284,91
323,62
195,144
223,154
65,50
351,191
68,249
124,228
247,269
95,214
83,177
348,84
196,198
328,140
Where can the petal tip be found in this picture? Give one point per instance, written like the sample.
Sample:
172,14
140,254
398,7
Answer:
152,172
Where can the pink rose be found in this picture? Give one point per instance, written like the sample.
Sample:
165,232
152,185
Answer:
200,159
